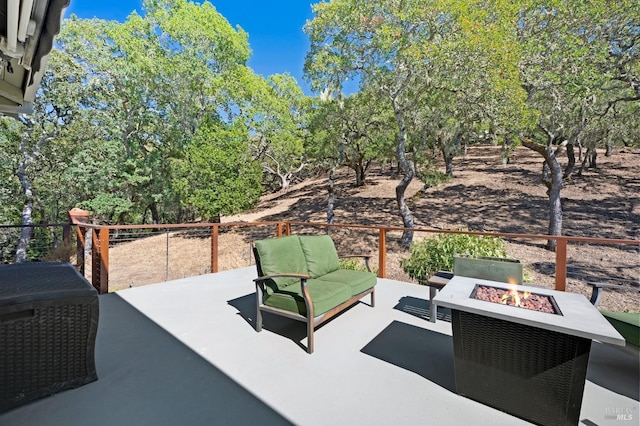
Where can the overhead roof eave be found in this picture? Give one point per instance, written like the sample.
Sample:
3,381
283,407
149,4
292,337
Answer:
23,65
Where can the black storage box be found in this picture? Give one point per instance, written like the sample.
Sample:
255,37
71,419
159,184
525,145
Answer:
48,325
532,373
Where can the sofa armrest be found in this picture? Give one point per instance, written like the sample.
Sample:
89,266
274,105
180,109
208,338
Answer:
365,257
440,279
303,288
598,289
303,282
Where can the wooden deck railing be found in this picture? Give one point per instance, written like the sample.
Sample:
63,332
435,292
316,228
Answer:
101,235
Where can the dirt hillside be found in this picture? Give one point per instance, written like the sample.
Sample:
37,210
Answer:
484,196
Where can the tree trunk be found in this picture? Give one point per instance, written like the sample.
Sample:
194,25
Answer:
414,158
408,173
449,153
447,157
448,164
546,176
571,156
609,152
580,152
505,151
284,182
583,163
555,204
554,186
331,200
28,157
360,173
154,213
26,220
592,155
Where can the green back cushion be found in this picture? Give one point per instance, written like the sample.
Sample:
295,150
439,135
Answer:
320,253
281,256
627,324
493,269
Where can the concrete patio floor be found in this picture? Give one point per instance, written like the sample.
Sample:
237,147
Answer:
185,353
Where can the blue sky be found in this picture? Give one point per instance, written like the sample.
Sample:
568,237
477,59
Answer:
274,27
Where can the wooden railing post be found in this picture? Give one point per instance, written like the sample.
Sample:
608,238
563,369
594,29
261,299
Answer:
382,253
214,248
95,259
100,260
80,243
79,217
104,260
561,264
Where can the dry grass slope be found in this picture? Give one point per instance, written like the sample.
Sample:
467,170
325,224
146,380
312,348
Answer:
485,195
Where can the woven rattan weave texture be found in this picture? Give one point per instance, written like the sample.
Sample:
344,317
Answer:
48,326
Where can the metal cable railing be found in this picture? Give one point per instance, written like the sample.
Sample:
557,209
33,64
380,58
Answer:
115,257
45,242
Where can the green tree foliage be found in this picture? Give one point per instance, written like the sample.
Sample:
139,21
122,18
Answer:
129,112
352,131
216,175
150,82
384,45
10,193
276,115
548,74
126,109
31,163
399,48
580,67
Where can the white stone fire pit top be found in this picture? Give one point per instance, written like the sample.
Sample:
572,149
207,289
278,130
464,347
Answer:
579,317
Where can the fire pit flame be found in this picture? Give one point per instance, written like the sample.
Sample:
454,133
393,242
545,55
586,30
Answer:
515,297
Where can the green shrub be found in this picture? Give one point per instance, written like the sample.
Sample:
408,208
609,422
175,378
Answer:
435,254
433,178
355,264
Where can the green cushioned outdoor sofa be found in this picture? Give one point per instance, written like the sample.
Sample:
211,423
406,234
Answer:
299,277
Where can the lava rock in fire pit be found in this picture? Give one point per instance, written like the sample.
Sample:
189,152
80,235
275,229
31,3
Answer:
522,299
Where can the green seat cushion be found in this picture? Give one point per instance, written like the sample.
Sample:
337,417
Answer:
627,324
282,255
358,281
324,296
320,253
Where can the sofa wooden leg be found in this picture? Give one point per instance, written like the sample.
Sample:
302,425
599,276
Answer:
258,320
373,298
310,336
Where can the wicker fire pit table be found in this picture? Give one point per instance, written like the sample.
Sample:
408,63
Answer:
525,362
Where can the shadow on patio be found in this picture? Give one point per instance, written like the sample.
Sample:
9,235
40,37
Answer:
186,352
146,376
